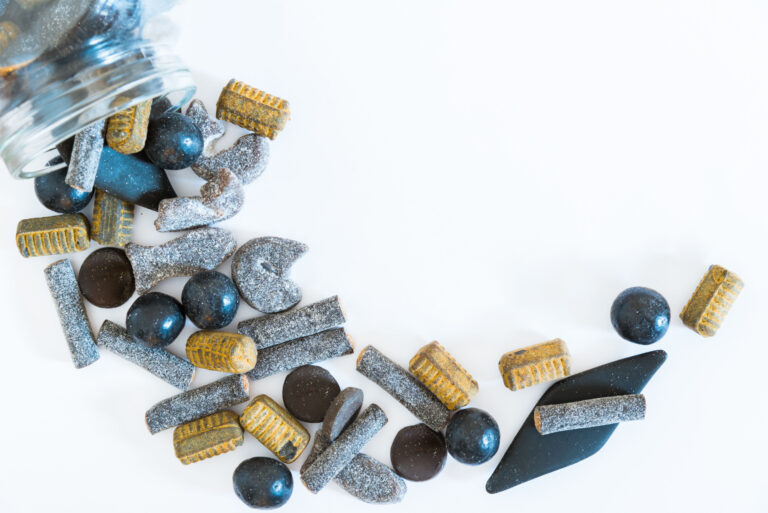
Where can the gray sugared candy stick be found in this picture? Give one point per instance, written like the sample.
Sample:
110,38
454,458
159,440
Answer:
163,364
553,418
85,158
69,303
259,268
197,250
302,351
197,403
342,450
364,477
404,387
219,199
270,330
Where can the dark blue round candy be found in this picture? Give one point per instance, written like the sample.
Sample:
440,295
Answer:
56,195
210,300
263,483
472,436
640,315
173,141
155,319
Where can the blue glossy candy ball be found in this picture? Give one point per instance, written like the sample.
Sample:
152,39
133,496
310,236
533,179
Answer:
640,315
173,141
472,436
56,195
263,483
155,319
210,300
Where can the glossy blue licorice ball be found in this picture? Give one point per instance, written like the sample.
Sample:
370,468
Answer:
210,300
640,315
263,483
173,141
472,436
56,195
155,319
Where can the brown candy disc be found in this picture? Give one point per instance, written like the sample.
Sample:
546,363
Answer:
106,278
418,453
308,392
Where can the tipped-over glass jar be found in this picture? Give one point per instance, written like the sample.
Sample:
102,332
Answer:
65,64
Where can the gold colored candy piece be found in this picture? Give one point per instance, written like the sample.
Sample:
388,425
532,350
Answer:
711,301
207,437
54,235
127,130
443,376
222,351
112,220
535,364
252,109
8,32
274,427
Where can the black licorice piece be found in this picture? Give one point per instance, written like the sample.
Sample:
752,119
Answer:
532,455
106,278
308,391
133,179
418,453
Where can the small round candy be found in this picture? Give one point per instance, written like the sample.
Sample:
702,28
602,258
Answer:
472,436
640,315
263,483
418,453
106,278
155,319
308,392
210,300
56,195
173,141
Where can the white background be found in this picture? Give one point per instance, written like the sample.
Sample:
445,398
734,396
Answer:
485,174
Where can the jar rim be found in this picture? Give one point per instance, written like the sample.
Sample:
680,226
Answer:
109,79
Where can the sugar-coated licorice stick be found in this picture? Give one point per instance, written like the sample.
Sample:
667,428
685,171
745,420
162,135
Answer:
404,387
74,322
270,330
341,451
552,418
163,364
198,402
302,351
86,154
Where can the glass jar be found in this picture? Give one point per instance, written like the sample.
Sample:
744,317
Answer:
65,64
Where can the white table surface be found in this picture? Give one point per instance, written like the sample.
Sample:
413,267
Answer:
485,174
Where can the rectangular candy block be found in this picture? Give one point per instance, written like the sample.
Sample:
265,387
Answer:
274,427
535,364
252,109
443,376
54,235
127,130
112,220
711,301
221,351
207,437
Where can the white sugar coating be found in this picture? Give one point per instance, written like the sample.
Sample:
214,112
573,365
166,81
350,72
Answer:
342,450
270,330
211,128
197,403
220,199
553,418
247,158
69,303
85,158
404,387
371,481
259,268
163,364
302,351
202,249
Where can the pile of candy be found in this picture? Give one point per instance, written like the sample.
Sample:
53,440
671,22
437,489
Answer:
122,162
